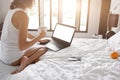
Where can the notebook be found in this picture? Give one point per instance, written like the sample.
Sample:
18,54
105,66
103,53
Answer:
61,37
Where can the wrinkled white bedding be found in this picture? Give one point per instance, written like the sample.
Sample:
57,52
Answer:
95,64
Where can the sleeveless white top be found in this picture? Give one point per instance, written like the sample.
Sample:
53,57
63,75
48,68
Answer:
9,40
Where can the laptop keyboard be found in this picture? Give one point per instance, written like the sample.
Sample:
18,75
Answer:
52,46
55,45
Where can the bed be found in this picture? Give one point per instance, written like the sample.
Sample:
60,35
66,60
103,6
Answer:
95,64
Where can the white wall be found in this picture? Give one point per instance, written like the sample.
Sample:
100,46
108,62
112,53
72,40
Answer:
115,9
4,6
94,17
115,6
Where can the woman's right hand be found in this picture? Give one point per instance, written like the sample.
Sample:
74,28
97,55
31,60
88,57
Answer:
42,34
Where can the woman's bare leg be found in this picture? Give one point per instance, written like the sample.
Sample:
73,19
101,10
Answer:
35,56
28,53
24,62
28,60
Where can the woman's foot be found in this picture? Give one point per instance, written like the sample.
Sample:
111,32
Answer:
24,63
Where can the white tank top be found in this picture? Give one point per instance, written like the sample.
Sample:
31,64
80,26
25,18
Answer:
9,40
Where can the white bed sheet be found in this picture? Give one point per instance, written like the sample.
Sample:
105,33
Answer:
95,64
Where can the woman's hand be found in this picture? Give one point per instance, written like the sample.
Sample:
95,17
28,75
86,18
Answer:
44,41
42,34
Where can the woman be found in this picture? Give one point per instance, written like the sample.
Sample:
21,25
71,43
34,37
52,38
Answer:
15,48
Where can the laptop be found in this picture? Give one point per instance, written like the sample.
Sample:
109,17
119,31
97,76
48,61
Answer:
61,37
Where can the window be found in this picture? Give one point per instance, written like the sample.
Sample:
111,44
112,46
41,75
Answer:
50,12
34,16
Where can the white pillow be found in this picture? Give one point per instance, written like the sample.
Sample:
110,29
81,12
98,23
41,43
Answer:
114,42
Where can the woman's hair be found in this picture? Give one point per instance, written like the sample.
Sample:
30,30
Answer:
22,3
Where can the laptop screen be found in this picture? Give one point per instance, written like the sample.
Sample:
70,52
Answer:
64,32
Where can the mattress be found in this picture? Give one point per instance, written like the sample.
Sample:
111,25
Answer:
95,64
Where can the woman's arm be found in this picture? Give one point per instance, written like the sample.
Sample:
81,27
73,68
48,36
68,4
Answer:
30,36
23,31
42,41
